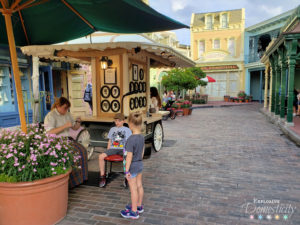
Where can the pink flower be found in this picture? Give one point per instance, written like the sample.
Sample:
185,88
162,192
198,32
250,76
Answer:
34,170
16,164
53,172
2,161
9,155
53,164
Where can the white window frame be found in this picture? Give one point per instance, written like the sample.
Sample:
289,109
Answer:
203,41
206,22
217,39
234,46
221,18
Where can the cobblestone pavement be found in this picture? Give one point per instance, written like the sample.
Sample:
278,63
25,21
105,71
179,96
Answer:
216,162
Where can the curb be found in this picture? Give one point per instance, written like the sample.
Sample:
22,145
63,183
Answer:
292,135
218,106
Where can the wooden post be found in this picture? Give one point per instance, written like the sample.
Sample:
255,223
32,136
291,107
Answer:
277,86
267,68
283,89
291,45
16,72
273,81
292,64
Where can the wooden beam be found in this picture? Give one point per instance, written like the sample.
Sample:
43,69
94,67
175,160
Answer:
24,28
4,4
90,53
20,7
157,58
15,4
16,72
78,14
35,4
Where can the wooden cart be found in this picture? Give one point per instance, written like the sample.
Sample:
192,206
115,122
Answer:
120,81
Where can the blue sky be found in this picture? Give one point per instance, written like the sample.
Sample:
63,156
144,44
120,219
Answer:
256,10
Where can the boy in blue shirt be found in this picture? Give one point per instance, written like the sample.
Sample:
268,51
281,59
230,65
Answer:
118,136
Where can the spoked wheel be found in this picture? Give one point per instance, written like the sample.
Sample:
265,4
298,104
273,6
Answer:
165,117
84,139
157,137
172,115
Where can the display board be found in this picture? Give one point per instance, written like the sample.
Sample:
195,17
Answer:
137,83
110,88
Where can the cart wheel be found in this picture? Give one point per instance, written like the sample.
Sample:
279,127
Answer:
165,117
172,115
84,139
157,137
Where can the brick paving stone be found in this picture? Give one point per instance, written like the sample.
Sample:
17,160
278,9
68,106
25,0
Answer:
221,160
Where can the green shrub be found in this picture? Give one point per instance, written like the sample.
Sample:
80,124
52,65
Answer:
198,101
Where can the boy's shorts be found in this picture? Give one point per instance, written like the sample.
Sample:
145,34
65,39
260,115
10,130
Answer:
112,151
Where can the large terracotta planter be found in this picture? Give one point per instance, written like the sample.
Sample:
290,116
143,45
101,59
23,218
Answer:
185,111
42,202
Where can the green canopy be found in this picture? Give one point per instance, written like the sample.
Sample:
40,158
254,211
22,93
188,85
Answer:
41,22
55,21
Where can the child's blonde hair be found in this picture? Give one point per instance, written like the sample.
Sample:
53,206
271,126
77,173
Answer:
135,118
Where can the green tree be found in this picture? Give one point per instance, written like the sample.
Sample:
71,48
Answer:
179,79
198,73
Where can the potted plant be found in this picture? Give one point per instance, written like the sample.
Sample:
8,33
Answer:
185,107
241,95
226,98
34,174
241,100
236,99
247,99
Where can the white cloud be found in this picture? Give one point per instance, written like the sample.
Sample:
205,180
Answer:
272,11
178,5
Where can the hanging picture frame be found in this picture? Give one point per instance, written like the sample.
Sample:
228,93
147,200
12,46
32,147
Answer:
136,102
131,104
144,87
110,76
115,91
141,73
144,101
140,87
135,72
105,106
141,102
105,92
131,86
136,86
115,106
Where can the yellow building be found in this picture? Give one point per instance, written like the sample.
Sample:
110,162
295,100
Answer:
217,46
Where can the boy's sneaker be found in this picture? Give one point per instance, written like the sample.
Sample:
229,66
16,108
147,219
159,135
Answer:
102,182
129,214
140,209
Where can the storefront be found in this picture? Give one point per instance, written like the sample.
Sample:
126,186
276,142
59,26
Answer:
229,81
8,101
282,60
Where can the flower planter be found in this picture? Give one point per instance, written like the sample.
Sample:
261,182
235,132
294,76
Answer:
190,111
241,101
247,100
226,98
179,112
186,111
42,202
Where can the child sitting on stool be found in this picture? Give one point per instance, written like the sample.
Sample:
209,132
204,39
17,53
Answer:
118,136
